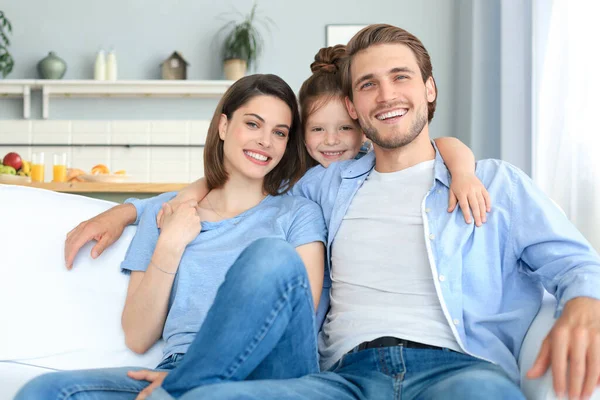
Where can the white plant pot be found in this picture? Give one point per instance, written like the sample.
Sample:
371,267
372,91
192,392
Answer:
234,69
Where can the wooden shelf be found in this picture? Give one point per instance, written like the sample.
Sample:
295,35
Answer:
107,89
96,187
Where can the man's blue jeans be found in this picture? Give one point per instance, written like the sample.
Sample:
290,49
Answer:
385,373
261,326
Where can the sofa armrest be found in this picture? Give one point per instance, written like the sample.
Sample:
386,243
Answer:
539,389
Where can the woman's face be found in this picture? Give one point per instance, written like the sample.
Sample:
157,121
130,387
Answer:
255,137
331,135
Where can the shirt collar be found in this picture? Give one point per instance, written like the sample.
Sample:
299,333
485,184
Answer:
365,164
440,171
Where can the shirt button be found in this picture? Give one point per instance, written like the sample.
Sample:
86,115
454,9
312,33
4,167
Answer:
442,278
432,236
427,210
439,191
456,322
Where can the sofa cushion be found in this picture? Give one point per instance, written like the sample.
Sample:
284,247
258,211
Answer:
53,317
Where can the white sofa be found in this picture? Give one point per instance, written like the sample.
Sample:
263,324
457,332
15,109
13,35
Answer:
54,319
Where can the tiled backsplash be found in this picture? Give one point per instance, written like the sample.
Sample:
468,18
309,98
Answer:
156,164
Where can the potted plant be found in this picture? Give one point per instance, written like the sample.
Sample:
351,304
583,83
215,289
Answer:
6,61
243,44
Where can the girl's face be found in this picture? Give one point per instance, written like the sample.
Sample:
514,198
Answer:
331,135
255,137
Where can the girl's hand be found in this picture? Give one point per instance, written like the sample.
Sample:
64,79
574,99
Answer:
469,193
182,225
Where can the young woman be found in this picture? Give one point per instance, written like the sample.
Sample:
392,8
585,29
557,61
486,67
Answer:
254,144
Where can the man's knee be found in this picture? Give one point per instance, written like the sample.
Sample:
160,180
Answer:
482,384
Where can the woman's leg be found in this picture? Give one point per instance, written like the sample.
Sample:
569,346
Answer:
261,324
108,383
102,383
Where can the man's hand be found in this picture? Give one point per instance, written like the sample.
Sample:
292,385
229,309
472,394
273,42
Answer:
155,378
105,228
574,341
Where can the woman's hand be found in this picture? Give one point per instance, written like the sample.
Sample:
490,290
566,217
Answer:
180,226
190,193
155,378
468,192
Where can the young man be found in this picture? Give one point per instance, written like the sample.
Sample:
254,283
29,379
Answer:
422,304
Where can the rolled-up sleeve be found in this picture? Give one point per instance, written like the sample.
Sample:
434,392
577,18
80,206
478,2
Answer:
550,246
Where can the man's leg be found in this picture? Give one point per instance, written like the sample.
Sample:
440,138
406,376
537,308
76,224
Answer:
261,324
445,374
109,383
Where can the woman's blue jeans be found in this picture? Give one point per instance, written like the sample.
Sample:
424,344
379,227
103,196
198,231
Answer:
261,326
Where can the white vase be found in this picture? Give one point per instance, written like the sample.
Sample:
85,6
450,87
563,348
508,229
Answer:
100,67
111,66
234,69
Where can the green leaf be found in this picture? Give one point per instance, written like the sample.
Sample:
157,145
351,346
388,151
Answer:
244,39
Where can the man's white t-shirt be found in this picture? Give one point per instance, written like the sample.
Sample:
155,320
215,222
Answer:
382,280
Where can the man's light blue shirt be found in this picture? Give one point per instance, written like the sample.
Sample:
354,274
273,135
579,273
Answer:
490,280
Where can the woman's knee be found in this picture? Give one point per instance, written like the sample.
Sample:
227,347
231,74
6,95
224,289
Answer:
269,258
47,386
77,384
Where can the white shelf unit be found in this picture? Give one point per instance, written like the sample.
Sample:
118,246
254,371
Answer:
92,88
18,88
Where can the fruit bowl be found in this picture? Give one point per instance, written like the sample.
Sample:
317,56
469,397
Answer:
8,178
105,178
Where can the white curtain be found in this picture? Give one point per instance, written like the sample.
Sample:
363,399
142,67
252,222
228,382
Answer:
566,141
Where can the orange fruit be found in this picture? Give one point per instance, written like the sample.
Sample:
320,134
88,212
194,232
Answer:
100,169
120,172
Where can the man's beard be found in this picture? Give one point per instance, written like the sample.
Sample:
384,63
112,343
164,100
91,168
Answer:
396,140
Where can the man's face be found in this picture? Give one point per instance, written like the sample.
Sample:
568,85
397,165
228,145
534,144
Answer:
390,97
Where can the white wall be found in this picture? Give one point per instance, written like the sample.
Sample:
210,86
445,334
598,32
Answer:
143,164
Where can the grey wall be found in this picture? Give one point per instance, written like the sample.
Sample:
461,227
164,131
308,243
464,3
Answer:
477,94
493,80
144,32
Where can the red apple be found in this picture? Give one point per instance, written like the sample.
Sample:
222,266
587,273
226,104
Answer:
13,160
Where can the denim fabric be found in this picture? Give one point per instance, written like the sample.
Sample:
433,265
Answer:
261,325
384,373
91,384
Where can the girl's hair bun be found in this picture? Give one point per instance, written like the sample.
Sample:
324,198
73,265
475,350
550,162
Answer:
328,59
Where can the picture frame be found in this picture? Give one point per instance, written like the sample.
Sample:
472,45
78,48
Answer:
340,33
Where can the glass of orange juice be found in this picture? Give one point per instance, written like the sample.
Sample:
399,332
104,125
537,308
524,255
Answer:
59,169
37,167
